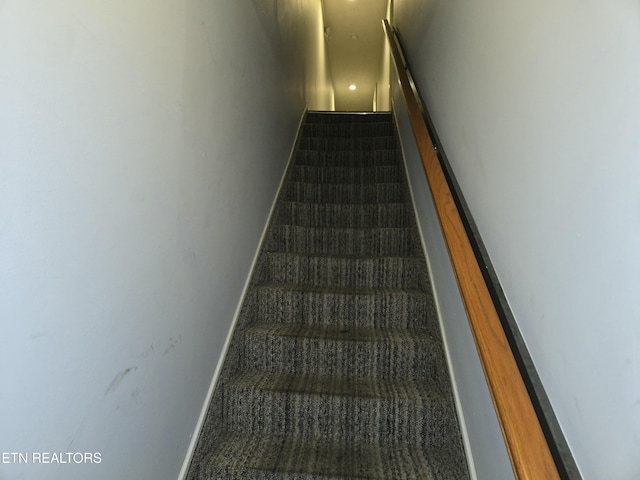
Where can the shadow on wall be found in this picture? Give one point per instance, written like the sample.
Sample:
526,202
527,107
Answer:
295,29
415,17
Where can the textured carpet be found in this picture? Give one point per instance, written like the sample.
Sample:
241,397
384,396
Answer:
336,368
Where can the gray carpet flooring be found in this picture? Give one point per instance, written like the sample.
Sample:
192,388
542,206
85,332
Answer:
336,369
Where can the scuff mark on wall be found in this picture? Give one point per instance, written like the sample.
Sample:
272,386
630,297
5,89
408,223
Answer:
135,396
117,379
147,352
172,343
36,335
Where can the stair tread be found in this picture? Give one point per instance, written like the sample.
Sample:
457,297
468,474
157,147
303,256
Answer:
338,385
341,240
349,193
346,158
342,256
348,168
341,333
350,151
342,229
365,351
334,214
278,458
340,289
350,205
356,182
346,185
333,137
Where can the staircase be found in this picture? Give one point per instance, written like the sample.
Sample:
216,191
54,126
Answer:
336,368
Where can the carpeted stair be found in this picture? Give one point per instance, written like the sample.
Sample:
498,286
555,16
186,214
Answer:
336,369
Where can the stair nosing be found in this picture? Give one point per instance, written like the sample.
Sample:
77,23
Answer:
342,228
422,335
344,256
348,184
339,289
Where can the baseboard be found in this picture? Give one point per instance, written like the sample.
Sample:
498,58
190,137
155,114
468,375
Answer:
454,384
216,374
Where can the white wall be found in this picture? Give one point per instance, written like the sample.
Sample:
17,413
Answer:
319,90
536,104
382,100
296,27
139,158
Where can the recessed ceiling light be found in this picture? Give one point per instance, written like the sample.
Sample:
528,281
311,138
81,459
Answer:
352,87
354,37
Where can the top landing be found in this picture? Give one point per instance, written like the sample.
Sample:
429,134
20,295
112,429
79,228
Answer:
319,116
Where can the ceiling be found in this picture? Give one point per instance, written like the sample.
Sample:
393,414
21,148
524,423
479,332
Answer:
353,29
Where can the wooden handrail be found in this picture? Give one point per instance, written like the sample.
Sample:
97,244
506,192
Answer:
526,444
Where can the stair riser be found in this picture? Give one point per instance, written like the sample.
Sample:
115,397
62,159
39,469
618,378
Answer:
283,354
338,418
344,193
413,311
350,130
323,271
348,159
324,241
334,144
303,173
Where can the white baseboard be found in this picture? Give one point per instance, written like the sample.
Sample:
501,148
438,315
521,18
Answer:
216,374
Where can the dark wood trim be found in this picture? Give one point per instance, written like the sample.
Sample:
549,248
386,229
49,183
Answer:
524,438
